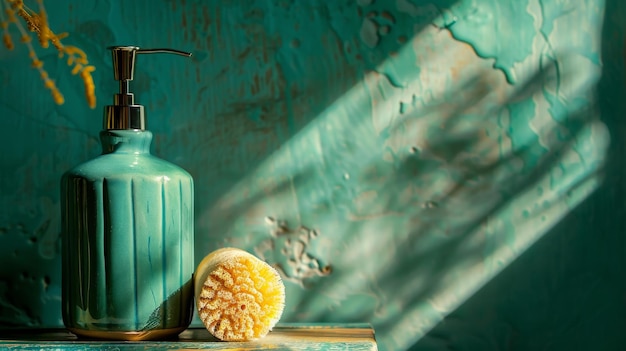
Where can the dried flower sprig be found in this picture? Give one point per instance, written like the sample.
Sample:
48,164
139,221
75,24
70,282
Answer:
6,37
37,22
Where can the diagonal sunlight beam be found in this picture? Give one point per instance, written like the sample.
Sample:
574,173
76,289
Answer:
422,182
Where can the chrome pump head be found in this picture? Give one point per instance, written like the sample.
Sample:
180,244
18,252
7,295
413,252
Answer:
124,114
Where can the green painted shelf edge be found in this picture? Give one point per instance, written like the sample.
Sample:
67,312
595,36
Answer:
292,336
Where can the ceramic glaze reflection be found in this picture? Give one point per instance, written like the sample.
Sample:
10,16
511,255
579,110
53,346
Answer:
127,242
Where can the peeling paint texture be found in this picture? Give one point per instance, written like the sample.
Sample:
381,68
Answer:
449,171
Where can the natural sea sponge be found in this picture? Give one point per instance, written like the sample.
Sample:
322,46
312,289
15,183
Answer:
239,297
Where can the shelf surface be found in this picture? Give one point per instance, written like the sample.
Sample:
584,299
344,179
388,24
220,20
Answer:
323,337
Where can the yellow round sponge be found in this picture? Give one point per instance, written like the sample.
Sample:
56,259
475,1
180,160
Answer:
239,297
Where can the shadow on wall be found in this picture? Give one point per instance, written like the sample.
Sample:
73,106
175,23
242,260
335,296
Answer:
421,183
567,291
314,51
411,187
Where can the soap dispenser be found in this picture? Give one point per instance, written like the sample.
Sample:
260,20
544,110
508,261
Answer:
127,229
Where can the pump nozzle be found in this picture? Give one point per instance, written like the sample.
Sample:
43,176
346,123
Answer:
124,114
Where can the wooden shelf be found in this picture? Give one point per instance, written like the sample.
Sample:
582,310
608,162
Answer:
322,337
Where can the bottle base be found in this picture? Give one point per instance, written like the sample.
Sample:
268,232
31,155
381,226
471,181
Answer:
156,334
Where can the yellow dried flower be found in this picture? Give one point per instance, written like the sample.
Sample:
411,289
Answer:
43,21
57,96
6,38
90,88
37,22
10,14
77,68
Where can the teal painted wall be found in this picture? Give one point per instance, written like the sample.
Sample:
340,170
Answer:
449,171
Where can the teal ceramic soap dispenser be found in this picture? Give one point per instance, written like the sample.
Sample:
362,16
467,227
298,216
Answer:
127,229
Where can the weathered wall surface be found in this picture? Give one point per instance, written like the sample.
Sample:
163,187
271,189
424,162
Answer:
397,161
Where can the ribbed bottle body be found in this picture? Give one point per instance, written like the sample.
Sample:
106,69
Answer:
127,221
